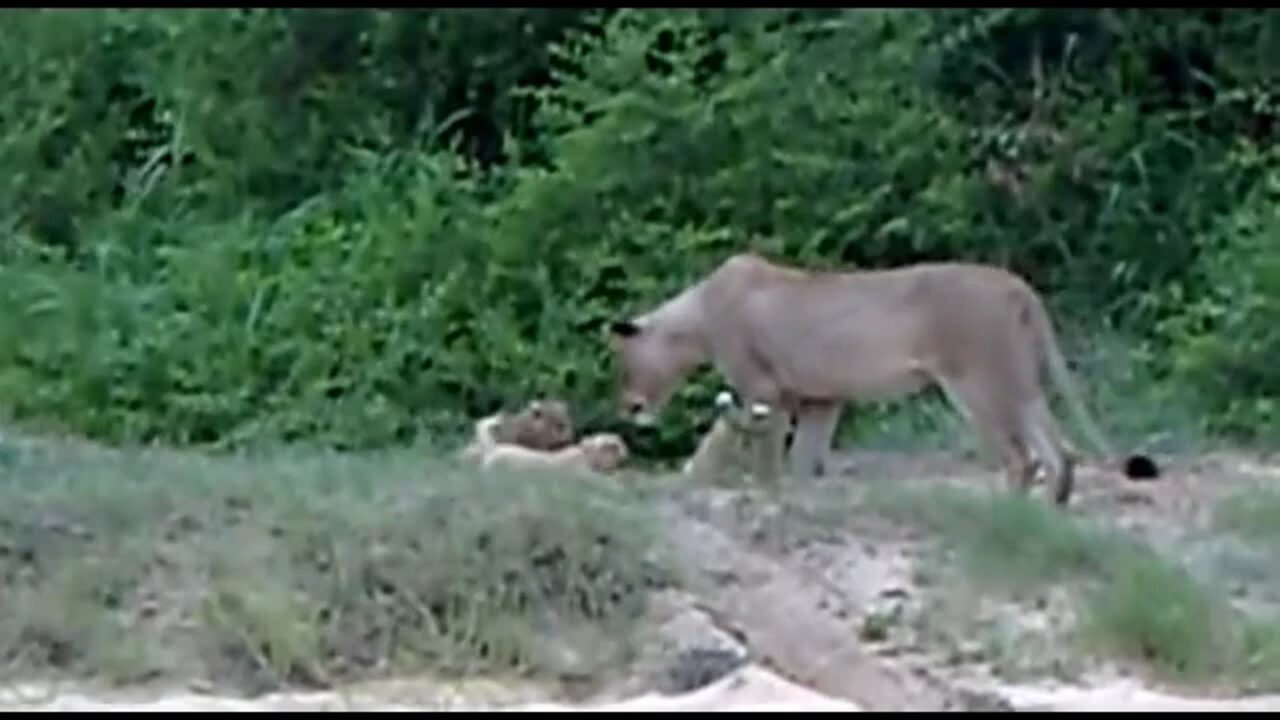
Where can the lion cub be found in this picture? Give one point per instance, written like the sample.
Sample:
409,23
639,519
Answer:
541,425
598,453
736,446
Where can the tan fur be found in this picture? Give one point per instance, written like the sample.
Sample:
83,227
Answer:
484,438
541,425
599,453
806,342
734,447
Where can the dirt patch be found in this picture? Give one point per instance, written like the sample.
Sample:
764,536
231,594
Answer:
905,614
790,621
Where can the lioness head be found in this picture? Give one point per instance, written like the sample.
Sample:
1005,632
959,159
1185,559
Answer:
653,359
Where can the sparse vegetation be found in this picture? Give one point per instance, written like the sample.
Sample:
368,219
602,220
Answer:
1252,514
1016,541
308,568
1133,601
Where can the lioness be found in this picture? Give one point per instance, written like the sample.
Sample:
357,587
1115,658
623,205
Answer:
736,445
598,453
541,425
806,341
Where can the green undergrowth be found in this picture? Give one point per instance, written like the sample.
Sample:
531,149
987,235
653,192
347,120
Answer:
308,568
352,228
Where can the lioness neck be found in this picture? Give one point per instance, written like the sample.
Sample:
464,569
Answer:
682,317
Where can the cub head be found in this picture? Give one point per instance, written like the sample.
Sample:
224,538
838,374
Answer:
542,425
653,359
605,451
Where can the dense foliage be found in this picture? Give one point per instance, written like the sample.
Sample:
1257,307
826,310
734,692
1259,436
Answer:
350,226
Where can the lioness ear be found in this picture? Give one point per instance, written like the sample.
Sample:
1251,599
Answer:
624,328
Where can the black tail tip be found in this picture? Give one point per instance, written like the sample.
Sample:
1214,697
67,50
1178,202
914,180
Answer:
1141,467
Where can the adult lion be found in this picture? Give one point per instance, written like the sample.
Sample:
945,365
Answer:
805,342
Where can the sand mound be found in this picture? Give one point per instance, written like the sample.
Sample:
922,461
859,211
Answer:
1127,696
748,689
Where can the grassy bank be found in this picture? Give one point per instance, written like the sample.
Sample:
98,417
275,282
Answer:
307,568
1129,600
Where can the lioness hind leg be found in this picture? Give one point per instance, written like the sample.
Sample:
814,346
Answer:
1052,449
996,427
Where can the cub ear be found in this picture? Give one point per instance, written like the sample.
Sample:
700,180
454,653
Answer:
624,328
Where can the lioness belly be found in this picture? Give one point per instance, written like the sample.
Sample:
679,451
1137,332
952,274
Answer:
874,368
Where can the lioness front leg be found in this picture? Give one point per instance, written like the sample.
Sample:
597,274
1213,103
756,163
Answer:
768,453
815,425
775,443
754,384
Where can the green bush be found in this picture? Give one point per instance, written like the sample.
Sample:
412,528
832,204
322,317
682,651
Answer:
354,226
328,324
1225,337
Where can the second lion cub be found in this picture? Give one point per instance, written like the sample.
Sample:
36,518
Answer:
736,446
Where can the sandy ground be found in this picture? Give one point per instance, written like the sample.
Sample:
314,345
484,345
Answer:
1128,697
750,689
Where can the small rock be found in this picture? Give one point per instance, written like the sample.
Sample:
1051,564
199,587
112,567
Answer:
888,650
969,700
686,649
966,652
148,608
723,577
875,629
698,667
